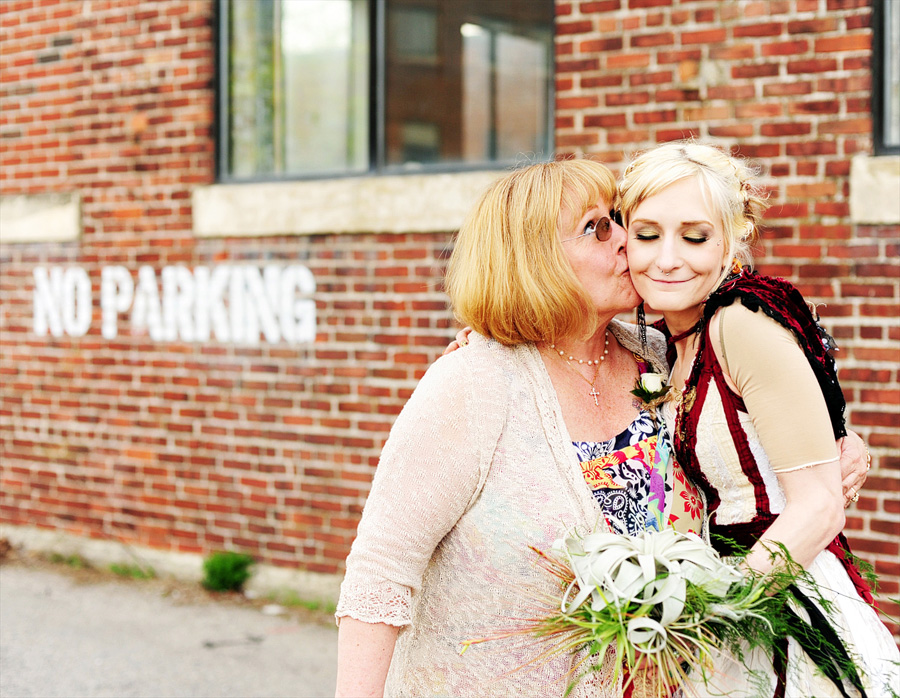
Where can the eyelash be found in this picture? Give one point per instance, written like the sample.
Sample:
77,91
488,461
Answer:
699,240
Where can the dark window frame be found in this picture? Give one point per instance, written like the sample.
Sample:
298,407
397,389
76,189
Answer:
879,86
377,121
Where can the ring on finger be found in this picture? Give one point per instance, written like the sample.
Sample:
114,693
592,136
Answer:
854,497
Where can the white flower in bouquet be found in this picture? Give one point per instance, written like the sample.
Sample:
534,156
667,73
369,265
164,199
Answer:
647,569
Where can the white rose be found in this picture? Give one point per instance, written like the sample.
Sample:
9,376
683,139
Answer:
651,382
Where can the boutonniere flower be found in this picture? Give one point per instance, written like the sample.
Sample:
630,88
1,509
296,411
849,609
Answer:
650,386
652,390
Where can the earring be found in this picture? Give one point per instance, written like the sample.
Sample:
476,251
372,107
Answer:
736,266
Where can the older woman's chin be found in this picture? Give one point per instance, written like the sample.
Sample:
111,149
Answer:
624,300
632,298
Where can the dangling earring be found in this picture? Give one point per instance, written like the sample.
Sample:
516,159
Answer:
642,327
736,267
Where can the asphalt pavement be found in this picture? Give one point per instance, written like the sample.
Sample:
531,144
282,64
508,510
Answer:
60,636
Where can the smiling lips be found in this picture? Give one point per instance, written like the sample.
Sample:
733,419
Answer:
669,281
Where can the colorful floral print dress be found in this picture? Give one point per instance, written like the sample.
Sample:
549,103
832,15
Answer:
636,480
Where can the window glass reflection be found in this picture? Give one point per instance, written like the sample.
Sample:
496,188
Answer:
326,85
891,86
485,91
299,86
445,82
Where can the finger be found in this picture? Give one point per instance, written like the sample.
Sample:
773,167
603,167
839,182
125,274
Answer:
453,346
850,492
463,336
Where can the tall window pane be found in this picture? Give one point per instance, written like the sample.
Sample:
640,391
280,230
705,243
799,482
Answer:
467,81
326,85
891,83
522,100
251,74
298,87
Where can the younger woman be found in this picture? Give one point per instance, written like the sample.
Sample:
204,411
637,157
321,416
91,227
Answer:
757,406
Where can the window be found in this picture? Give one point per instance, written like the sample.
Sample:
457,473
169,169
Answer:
337,87
886,76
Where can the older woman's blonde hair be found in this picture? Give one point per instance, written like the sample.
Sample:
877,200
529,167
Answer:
508,276
727,182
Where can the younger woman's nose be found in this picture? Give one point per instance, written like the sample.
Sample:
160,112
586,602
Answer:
667,259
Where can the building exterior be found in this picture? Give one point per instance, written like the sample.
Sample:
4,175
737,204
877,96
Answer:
205,349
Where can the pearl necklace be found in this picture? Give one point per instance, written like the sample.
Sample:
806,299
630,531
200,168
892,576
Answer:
594,393
589,362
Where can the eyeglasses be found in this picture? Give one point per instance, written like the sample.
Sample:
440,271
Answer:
602,228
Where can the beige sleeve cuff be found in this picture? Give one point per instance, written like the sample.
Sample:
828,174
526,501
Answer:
779,389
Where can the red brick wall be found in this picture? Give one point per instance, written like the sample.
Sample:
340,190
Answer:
786,83
191,447
270,449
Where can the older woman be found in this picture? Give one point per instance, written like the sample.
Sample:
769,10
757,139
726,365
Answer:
480,464
529,432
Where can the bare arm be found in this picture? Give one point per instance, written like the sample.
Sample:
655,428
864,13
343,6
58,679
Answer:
812,517
364,656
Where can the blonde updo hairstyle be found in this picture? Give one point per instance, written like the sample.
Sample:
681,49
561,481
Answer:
727,183
508,277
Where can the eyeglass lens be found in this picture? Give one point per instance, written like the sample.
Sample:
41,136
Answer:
602,229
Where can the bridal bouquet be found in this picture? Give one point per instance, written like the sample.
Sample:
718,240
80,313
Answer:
667,603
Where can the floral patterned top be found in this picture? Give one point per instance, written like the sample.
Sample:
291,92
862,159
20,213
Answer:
636,480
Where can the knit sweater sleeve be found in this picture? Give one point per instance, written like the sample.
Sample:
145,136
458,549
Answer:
429,473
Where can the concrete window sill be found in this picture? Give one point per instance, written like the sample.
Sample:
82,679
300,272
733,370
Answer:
874,189
40,218
387,204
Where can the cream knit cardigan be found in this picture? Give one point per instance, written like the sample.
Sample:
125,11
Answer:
478,467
